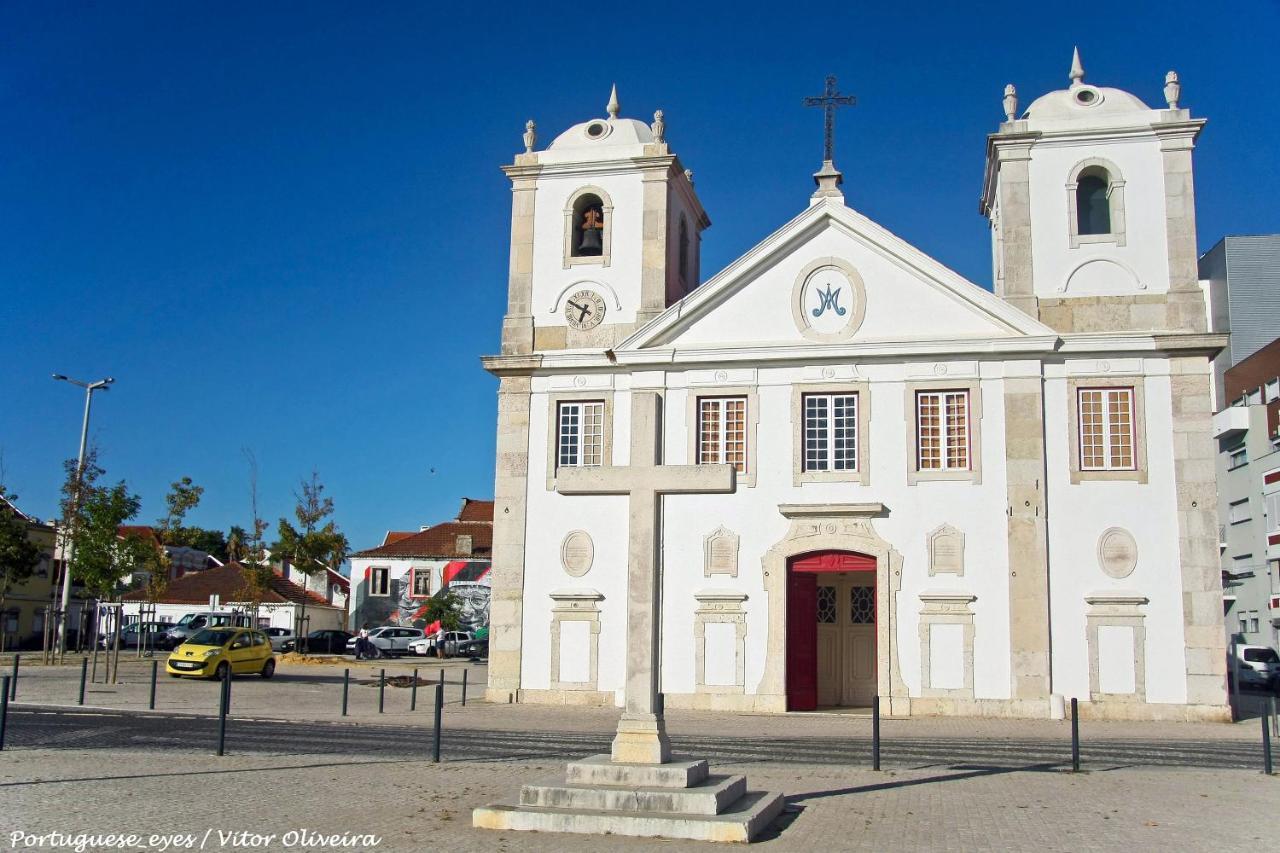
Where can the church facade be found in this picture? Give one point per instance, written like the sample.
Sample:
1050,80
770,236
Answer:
958,501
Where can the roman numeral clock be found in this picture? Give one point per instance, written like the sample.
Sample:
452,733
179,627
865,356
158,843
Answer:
584,310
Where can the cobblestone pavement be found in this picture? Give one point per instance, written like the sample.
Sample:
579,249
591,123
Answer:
415,806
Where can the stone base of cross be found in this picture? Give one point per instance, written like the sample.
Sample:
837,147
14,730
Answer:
642,734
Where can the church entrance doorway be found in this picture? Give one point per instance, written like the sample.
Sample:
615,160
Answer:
831,630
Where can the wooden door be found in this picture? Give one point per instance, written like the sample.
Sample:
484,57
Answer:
830,651
802,642
858,600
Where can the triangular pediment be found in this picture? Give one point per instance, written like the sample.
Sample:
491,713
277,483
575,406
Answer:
831,276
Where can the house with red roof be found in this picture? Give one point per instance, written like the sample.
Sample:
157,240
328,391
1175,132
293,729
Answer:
392,583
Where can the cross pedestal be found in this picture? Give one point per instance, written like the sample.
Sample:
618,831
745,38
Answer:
638,789
642,734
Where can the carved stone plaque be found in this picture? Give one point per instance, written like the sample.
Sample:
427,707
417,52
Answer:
577,553
946,551
720,553
1117,552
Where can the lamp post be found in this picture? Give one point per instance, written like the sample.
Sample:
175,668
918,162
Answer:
89,388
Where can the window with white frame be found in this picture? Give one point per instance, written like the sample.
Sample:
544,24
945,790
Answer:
1244,621
830,432
1238,511
1273,512
420,582
1253,621
379,581
1106,429
942,430
722,431
580,434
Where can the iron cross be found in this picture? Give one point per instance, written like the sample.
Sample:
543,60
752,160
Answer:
829,101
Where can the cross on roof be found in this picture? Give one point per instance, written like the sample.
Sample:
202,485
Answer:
830,100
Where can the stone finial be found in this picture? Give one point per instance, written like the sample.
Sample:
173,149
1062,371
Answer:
530,136
1010,102
688,176
1077,69
1172,89
612,108
659,127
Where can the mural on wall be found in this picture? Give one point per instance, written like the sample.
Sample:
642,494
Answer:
467,579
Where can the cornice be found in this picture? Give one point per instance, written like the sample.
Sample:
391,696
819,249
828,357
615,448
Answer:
511,365
1030,345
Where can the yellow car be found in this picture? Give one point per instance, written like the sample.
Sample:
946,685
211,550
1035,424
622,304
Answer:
212,651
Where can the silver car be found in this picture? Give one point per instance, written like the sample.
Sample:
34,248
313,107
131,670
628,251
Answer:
390,640
278,637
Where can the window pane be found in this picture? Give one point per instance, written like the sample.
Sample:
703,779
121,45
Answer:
1091,431
1120,422
844,432
816,432
570,422
958,430
709,431
735,433
929,431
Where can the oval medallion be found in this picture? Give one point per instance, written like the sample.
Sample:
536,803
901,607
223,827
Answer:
577,553
1117,552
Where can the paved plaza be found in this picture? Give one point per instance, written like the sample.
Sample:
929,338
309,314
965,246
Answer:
295,765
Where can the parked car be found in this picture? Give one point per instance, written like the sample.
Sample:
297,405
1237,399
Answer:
453,641
210,653
329,641
278,637
1258,666
151,634
389,640
192,623
478,648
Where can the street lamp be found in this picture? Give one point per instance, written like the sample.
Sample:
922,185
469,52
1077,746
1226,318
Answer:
89,388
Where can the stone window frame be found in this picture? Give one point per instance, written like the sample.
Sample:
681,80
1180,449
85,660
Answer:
1115,198
720,606
1117,609
1137,474
386,574
946,608
413,576
746,479
576,605
606,239
974,472
554,399
861,474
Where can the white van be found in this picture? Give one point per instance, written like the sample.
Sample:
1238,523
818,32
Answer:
189,624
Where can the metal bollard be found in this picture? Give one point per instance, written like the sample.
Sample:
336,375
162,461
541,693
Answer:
1075,735
1266,745
4,707
84,673
442,676
464,688
155,671
346,686
435,738
413,694
1275,720
13,682
382,689
875,733
223,704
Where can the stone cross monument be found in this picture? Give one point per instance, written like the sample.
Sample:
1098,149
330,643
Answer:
642,736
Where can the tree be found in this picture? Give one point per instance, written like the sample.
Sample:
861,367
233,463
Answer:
311,547
444,607
249,547
236,537
19,556
173,531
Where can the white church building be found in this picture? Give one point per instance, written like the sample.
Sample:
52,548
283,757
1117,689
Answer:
958,501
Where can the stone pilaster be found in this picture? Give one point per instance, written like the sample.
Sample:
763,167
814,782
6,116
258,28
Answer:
1028,537
1195,480
1186,304
517,325
1015,226
506,606
653,270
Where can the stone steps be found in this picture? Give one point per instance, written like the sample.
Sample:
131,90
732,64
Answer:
710,796
602,770
739,823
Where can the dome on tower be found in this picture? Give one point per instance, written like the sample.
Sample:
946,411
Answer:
606,138
1082,101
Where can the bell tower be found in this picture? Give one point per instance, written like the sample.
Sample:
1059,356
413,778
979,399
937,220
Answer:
605,234
1091,204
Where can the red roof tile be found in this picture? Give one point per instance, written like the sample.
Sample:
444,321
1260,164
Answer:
439,541
227,582
474,510
397,535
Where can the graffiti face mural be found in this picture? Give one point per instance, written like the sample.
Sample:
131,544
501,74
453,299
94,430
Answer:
466,579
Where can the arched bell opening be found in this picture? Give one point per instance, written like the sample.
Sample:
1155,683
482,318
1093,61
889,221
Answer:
588,226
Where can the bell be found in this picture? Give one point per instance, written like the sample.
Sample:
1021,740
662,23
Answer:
590,244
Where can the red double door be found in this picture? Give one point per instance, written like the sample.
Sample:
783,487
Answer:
802,619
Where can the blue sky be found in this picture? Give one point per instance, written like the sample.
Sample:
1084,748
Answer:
283,227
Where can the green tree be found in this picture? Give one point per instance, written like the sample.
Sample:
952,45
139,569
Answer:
19,556
316,543
444,607
235,540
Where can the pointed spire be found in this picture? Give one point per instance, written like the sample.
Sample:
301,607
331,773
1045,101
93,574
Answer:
1077,69
613,102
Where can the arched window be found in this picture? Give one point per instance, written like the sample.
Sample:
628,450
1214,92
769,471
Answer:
684,252
588,227
1093,206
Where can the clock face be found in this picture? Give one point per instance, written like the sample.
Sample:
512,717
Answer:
584,309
